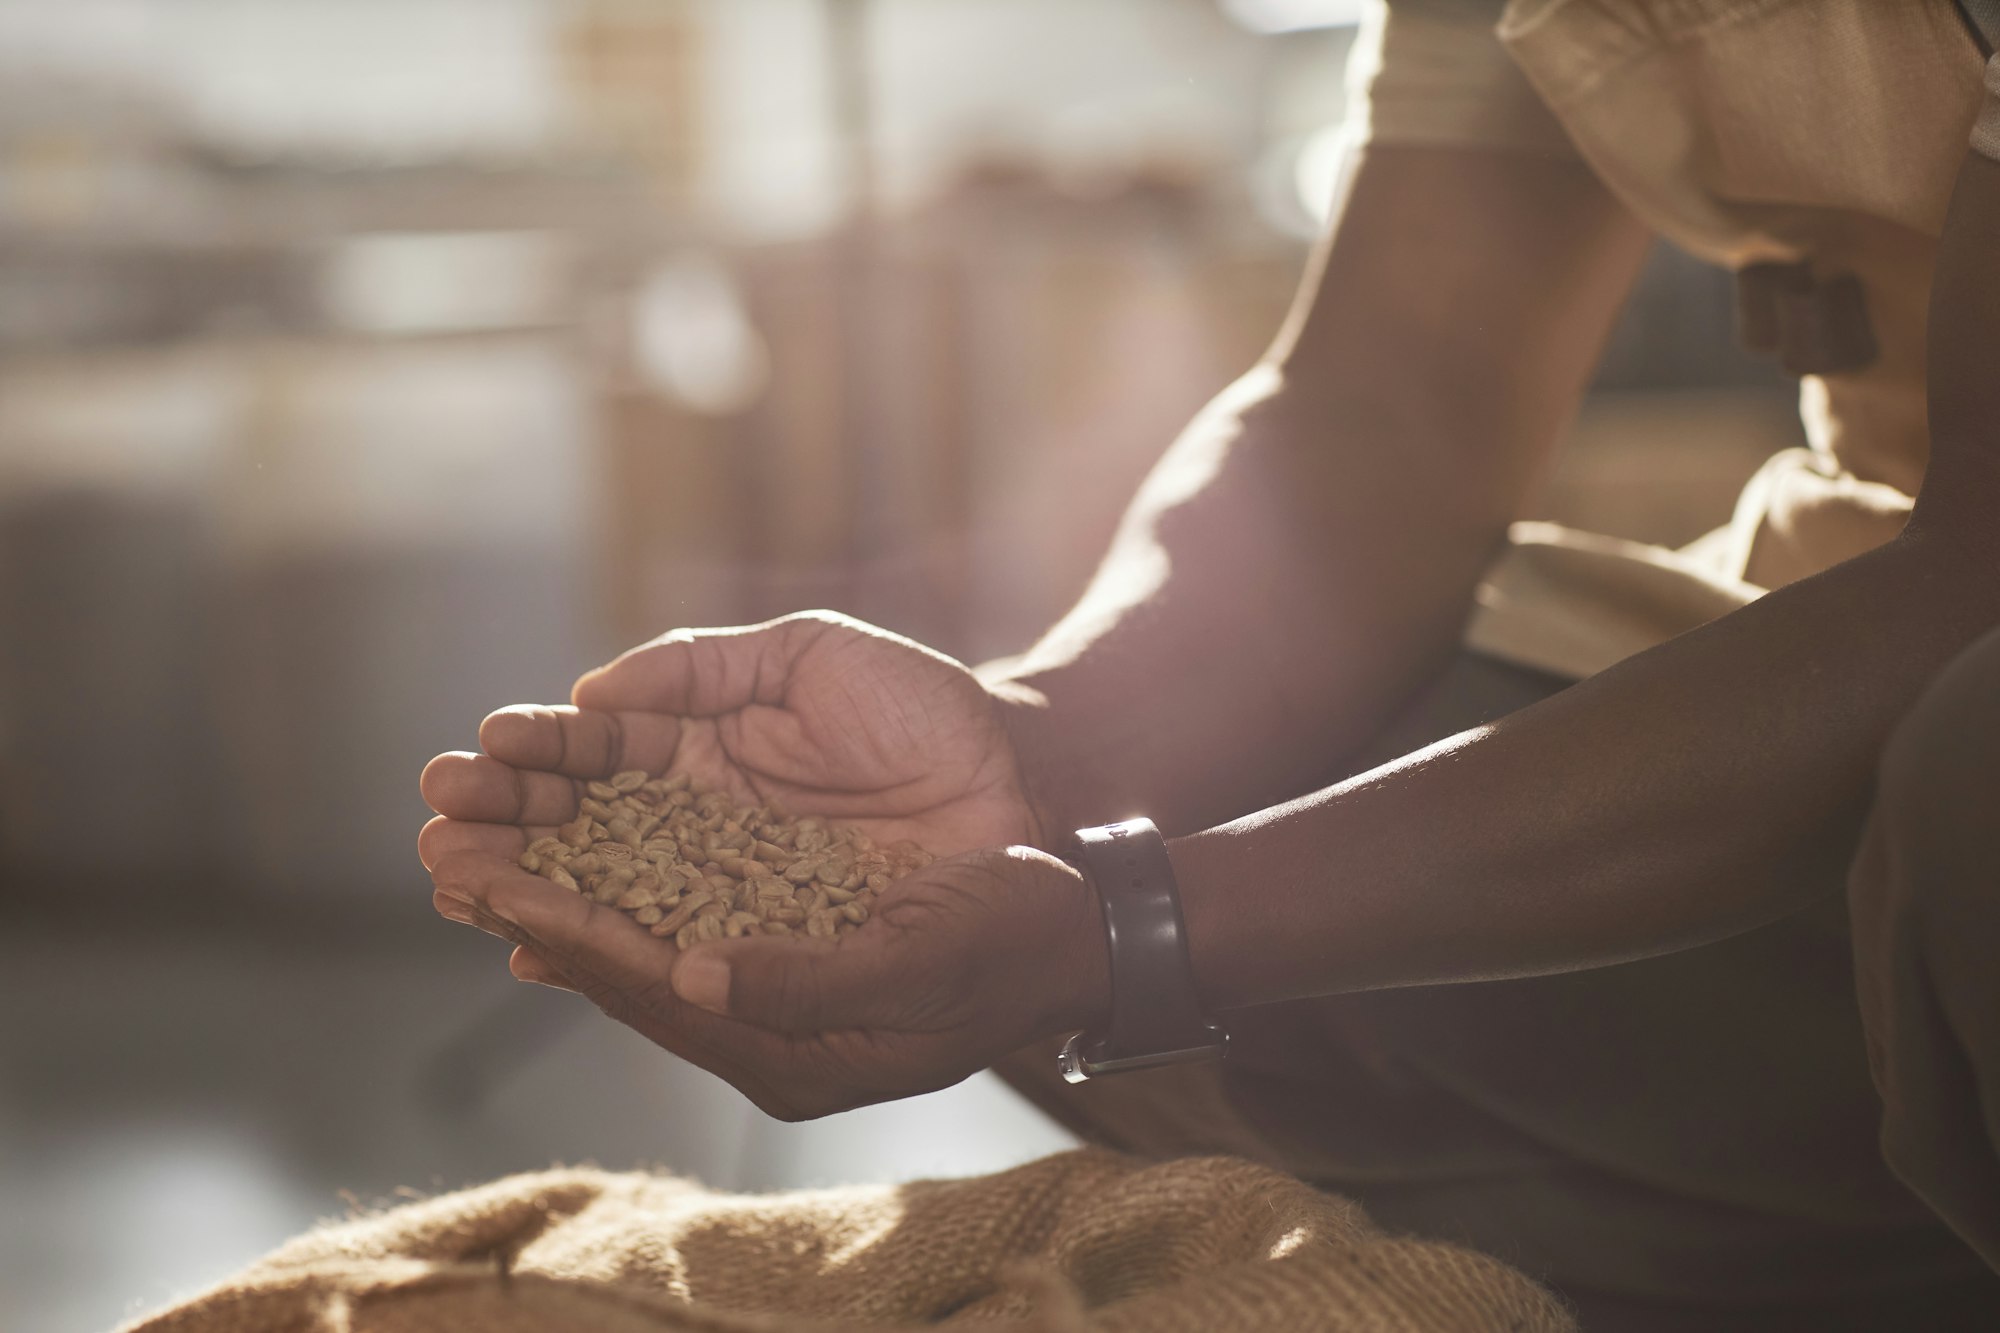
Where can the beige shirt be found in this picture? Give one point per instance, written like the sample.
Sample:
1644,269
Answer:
1745,131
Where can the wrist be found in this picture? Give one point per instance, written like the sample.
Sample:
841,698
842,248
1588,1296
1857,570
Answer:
1204,871
1156,1015
1024,714
1079,988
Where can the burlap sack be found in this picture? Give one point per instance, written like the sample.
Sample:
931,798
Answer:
1083,1241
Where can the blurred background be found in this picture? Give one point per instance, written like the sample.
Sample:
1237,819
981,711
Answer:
368,364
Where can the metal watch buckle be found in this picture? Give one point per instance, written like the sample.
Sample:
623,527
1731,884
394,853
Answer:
1080,1065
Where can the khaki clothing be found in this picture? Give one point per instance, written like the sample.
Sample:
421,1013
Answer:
1986,134
1746,131
1687,1144
1690,1141
1926,917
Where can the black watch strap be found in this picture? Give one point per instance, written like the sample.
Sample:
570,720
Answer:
1157,1017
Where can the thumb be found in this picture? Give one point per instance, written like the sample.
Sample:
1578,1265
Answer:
791,986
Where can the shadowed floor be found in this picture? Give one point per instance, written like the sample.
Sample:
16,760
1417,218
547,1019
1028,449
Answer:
171,1108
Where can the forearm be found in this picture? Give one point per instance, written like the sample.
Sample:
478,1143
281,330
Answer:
1274,590
1697,790
1305,554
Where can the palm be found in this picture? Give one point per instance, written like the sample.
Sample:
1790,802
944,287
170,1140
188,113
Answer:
819,713
869,729
828,717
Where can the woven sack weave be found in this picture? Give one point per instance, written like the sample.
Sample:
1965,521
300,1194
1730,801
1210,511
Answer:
1082,1242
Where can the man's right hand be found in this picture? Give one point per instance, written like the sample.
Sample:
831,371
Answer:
817,712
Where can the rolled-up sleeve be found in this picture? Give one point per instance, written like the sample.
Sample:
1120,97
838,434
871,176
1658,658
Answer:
1433,73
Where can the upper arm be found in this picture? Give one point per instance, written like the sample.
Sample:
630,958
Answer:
1466,293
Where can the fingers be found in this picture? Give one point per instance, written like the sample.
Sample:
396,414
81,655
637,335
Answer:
453,909
442,835
589,948
527,965
514,898
484,790
789,986
569,933
564,939
578,743
703,672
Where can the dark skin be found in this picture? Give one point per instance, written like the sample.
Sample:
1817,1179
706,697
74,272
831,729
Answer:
1365,471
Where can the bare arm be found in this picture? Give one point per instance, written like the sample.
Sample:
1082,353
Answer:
1305,554
1696,790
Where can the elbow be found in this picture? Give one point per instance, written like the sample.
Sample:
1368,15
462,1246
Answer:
1953,523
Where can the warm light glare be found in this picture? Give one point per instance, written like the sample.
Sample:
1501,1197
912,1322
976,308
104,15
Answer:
443,282
694,340
1290,1242
1276,16
1316,172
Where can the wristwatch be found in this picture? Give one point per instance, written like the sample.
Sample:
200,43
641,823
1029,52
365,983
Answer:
1157,1016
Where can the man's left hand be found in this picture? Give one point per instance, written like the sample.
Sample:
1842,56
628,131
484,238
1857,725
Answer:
961,963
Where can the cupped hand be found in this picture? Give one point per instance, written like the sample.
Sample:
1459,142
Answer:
961,963
816,712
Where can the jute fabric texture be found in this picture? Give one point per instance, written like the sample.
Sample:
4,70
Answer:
1083,1242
